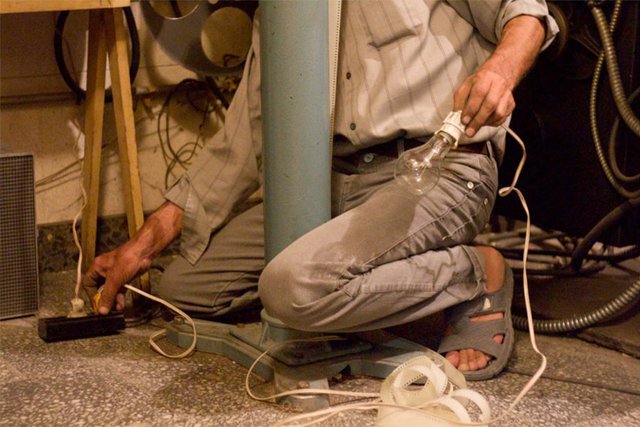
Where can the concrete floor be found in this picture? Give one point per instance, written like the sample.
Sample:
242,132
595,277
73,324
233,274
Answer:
119,381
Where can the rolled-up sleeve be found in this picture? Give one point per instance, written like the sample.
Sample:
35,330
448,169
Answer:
227,170
489,17
535,8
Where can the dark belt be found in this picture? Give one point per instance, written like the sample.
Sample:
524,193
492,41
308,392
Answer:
390,149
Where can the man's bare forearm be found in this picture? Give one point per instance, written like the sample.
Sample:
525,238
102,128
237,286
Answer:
160,229
123,264
486,97
519,46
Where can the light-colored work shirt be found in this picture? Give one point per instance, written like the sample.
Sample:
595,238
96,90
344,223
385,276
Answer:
400,62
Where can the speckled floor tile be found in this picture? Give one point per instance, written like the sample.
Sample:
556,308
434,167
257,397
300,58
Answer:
573,360
8,373
119,381
555,403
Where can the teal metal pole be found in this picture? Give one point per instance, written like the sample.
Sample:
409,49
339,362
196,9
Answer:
295,126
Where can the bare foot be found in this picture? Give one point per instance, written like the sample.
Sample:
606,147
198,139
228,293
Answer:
469,359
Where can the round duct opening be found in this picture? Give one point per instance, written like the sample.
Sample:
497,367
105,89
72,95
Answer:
207,37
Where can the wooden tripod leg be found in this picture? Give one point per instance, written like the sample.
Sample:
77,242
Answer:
93,124
125,122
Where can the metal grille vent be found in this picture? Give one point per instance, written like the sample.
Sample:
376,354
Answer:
18,248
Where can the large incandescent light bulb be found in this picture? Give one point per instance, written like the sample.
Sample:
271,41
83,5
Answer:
418,170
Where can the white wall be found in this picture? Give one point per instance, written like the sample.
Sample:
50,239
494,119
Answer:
37,115
50,131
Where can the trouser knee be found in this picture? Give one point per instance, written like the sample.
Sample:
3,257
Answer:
167,287
286,294
209,293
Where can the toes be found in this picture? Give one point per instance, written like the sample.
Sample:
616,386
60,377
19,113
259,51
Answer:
464,360
472,359
454,358
469,359
482,360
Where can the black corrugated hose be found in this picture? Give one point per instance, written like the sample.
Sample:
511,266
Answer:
62,66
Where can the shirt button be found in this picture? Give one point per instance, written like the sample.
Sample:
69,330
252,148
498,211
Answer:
352,126
469,185
368,158
348,75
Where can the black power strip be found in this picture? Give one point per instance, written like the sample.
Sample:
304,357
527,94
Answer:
68,328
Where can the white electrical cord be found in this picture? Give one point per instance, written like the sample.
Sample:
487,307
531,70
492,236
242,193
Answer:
324,414
154,337
77,303
525,281
301,391
76,240
161,334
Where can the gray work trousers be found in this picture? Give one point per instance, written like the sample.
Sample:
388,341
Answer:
386,257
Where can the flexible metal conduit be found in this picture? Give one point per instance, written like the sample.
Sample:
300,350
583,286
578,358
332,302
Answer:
622,301
616,305
593,96
613,141
611,219
614,72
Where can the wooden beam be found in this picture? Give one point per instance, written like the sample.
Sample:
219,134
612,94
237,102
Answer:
24,6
